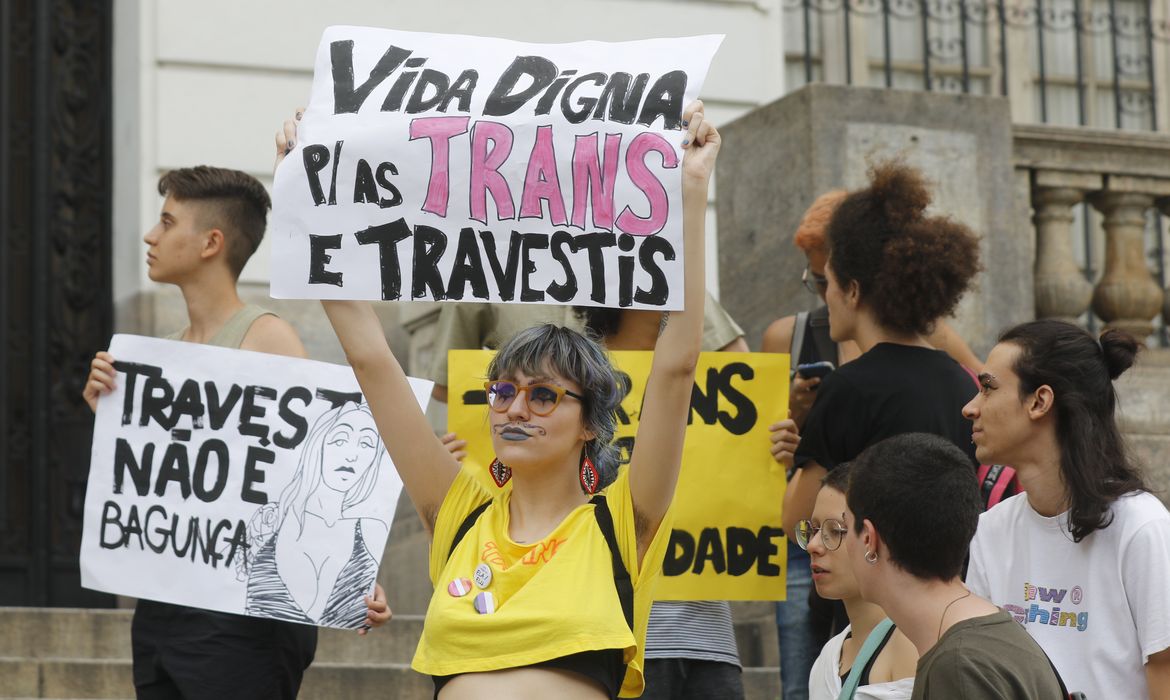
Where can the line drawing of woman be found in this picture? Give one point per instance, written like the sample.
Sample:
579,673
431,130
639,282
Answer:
304,568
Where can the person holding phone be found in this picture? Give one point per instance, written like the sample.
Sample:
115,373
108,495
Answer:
803,628
892,271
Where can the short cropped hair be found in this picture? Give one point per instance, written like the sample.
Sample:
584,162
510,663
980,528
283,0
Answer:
921,494
232,201
539,349
911,269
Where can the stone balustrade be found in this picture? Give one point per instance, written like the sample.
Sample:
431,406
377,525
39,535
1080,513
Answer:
1121,175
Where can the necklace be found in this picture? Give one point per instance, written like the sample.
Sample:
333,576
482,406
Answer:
944,614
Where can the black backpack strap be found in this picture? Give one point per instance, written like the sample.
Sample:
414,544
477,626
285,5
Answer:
818,327
1064,694
796,349
465,526
621,576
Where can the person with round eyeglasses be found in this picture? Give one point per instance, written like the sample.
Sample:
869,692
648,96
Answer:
888,672
543,589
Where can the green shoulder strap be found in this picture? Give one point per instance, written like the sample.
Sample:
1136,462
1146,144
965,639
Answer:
873,643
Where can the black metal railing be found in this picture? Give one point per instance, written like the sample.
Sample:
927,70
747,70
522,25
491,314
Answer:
1086,63
1082,48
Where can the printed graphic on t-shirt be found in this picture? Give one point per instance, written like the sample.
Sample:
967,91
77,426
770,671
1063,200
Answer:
540,553
1051,607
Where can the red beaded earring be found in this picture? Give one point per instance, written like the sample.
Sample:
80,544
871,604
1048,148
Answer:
500,472
590,479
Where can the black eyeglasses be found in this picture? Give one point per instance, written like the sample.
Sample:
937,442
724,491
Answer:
817,284
832,533
542,398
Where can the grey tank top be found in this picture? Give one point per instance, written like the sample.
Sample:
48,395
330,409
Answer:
233,331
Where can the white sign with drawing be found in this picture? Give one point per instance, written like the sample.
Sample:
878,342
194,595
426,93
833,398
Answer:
237,481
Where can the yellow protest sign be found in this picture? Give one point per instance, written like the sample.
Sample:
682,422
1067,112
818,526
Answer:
727,542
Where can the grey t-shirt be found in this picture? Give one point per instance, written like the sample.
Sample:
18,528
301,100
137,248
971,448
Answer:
986,658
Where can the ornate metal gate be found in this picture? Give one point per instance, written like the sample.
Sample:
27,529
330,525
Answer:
55,283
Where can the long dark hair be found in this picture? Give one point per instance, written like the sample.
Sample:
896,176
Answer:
1094,465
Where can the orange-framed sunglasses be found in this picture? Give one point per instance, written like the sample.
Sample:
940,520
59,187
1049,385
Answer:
542,398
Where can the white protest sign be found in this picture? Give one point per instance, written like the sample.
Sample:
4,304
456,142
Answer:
237,481
443,167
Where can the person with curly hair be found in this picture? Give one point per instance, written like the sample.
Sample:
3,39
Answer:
892,272
1082,558
804,622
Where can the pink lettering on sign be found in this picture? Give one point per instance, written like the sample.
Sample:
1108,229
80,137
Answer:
439,130
595,178
645,180
491,144
541,183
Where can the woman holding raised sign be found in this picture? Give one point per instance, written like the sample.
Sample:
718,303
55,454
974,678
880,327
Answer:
544,589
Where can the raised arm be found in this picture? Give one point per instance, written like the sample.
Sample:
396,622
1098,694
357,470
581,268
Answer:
654,465
426,467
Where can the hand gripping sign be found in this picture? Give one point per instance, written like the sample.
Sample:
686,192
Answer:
237,481
441,167
727,542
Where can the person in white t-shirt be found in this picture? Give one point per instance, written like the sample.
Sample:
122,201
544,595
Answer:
1082,558
887,674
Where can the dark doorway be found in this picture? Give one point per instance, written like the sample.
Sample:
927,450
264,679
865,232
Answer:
55,283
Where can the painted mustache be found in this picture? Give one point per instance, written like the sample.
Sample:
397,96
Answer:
525,428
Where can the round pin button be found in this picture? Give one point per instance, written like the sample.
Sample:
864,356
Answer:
459,587
483,575
485,603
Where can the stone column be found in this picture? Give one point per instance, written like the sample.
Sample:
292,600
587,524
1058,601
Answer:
1127,296
1061,289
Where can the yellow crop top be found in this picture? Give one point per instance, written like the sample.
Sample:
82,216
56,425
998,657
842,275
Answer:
552,598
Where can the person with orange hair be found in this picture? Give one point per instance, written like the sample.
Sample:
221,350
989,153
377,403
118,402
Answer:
803,628
783,335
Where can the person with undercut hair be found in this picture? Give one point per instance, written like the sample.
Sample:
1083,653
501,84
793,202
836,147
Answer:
892,272
212,221
912,506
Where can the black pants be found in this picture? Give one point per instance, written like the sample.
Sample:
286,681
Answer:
183,653
691,679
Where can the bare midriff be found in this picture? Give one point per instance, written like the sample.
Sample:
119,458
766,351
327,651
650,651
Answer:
522,684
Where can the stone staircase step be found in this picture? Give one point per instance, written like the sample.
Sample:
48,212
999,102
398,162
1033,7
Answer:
105,634
338,681
65,633
64,653
109,679
761,683
394,643
66,678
